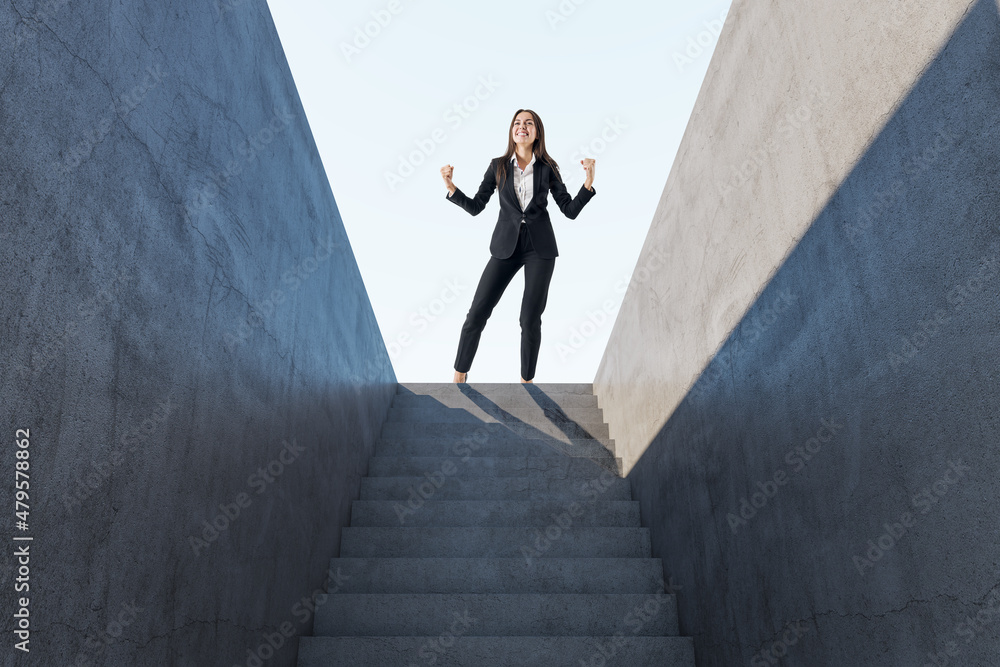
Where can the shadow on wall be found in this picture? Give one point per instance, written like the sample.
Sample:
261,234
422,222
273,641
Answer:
187,344
827,491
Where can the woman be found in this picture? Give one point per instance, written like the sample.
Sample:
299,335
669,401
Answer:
523,235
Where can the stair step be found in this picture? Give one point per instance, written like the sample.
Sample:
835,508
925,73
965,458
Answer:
559,431
494,390
549,467
625,651
510,445
498,575
494,528
496,614
529,543
508,402
389,513
437,486
474,414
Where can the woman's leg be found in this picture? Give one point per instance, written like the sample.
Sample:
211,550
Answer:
537,275
496,276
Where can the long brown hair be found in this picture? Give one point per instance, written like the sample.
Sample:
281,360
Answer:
538,148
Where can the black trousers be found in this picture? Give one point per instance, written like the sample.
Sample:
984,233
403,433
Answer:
495,278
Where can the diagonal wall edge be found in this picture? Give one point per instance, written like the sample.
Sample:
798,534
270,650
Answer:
186,335
816,302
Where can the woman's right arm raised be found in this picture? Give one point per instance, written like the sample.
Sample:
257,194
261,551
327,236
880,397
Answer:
446,172
476,204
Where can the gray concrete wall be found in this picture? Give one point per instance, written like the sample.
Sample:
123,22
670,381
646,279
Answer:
802,376
185,335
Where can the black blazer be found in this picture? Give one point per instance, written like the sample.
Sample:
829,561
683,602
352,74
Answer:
543,239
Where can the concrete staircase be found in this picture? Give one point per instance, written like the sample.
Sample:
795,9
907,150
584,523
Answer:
494,529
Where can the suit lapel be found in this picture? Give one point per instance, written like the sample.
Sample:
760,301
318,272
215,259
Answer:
508,186
536,175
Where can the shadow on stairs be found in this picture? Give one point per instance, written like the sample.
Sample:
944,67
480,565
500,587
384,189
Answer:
494,528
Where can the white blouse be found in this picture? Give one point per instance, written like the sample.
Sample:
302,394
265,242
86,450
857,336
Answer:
524,184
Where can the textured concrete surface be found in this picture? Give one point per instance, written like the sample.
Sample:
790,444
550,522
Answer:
489,488
473,559
179,300
492,512
484,443
509,614
496,651
508,400
563,430
476,415
489,541
803,389
499,575
549,467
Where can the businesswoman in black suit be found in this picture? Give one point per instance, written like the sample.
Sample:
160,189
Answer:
523,235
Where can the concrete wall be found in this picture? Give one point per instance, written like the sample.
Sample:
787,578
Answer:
180,300
822,273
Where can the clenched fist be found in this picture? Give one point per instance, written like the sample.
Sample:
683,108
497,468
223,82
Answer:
446,172
588,166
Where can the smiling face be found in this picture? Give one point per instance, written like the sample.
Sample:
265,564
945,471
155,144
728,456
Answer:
524,131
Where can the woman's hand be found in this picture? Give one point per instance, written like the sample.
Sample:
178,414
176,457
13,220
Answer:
446,172
588,166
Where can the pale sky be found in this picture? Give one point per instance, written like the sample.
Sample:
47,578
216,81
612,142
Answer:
395,89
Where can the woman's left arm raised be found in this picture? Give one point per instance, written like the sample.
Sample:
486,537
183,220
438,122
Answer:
571,206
